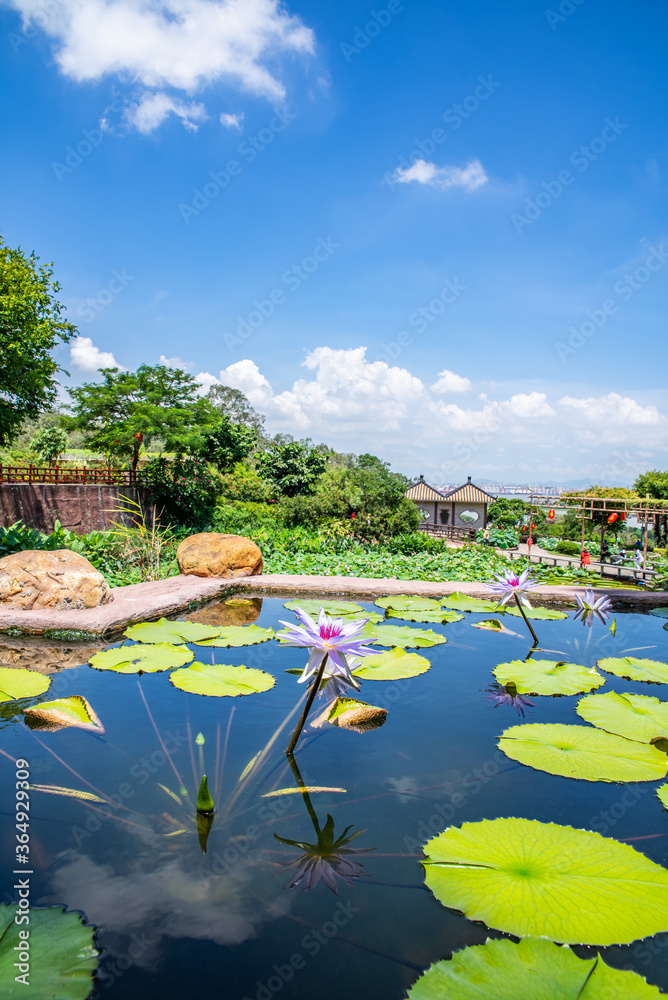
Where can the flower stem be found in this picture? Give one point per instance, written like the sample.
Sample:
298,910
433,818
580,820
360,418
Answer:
528,623
307,707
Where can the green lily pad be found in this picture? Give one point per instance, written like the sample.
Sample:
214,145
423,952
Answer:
220,680
659,612
662,792
335,609
401,635
461,602
150,659
533,969
492,625
635,669
582,752
544,614
436,617
537,879
548,677
403,603
633,716
174,632
18,683
64,712
62,957
239,635
392,666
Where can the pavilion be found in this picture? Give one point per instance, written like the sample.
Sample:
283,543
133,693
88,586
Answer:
464,507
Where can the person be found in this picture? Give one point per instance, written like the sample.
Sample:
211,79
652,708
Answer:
485,536
585,558
638,557
605,551
619,558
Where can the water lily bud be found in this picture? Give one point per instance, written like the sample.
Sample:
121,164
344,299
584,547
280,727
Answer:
205,804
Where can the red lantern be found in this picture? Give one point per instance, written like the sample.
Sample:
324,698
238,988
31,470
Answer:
612,518
138,436
550,515
533,526
622,517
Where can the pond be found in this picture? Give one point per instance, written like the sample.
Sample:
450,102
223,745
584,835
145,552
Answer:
172,920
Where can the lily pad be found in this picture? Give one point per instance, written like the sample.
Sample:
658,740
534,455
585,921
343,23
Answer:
165,630
634,716
64,712
21,683
348,713
662,792
149,659
437,617
62,956
335,609
220,680
492,625
659,612
635,669
239,635
401,635
461,602
533,969
582,752
544,614
403,603
392,666
536,879
548,677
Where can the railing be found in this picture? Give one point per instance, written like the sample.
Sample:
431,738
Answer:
449,531
55,475
603,569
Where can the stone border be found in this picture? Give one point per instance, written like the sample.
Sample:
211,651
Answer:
147,601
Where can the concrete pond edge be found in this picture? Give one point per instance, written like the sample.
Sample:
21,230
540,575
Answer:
141,602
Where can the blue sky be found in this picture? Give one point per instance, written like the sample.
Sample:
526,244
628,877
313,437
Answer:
430,230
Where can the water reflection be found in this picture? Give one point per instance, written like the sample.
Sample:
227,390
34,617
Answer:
327,859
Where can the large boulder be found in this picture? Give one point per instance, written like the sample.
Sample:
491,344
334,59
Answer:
61,579
213,554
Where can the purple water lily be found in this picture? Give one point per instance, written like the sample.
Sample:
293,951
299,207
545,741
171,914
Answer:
502,695
328,859
331,637
511,585
590,607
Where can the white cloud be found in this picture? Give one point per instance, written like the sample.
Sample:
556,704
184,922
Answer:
470,177
449,382
85,356
185,45
153,109
358,405
175,362
232,121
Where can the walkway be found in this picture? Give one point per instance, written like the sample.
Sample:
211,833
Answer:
539,555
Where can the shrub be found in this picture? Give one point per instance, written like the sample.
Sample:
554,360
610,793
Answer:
183,492
568,548
245,484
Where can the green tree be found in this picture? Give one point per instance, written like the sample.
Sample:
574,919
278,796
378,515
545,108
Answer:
49,444
294,467
370,495
229,443
122,412
602,507
655,484
232,404
182,492
507,513
31,325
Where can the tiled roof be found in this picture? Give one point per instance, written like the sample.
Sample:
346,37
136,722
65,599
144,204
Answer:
470,493
423,491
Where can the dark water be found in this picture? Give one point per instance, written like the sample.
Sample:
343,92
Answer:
172,921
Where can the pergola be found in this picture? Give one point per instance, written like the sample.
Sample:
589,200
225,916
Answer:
587,505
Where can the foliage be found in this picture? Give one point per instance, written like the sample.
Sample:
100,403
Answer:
126,409
147,659
232,404
49,444
25,683
293,467
31,325
501,537
145,542
221,680
634,716
547,677
228,443
655,485
244,484
371,496
507,513
599,516
182,492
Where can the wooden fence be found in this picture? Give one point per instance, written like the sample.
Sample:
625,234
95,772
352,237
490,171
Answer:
57,476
